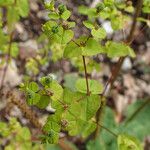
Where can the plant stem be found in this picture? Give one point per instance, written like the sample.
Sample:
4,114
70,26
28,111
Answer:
76,43
115,72
129,40
137,111
86,76
99,116
108,130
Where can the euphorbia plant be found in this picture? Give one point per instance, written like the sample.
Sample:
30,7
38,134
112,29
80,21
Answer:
79,112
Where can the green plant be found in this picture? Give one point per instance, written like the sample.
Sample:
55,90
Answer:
79,109
79,112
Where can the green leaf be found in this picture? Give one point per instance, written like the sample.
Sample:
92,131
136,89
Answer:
52,123
73,111
25,134
89,127
53,15
71,24
91,12
104,14
52,127
70,80
14,50
33,86
146,6
53,31
96,144
66,15
92,48
23,7
51,137
131,52
3,40
73,126
52,147
146,9
83,10
105,141
126,142
12,17
59,109
117,22
118,49
140,121
6,2
99,33
108,2
48,25
4,131
67,36
56,89
89,24
32,98
70,96
120,5
72,50
129,9
50,5
89,105
81,127
94,86
43,102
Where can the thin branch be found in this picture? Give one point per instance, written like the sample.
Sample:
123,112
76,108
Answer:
113,76
128,41
119,64
99,116
7,60
75,42
137,111
108,130
86,76
137,13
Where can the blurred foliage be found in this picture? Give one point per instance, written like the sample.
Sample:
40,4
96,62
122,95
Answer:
17,137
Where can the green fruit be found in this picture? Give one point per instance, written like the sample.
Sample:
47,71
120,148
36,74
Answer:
55,29
29,95
61,9
100,7
48,79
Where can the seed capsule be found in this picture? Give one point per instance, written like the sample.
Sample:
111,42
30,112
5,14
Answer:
29,95
100,7
61,9
55,29
48,80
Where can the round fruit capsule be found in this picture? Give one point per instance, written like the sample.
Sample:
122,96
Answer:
100,7
48,79
29,95
61,9
55,29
